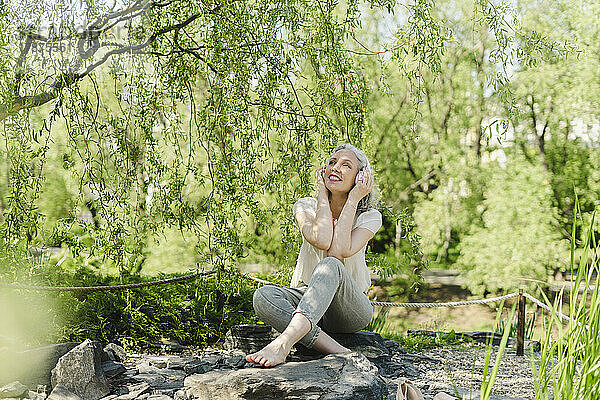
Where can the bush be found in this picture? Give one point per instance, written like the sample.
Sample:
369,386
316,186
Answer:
195,312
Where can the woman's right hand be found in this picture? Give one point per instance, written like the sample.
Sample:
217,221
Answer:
320,180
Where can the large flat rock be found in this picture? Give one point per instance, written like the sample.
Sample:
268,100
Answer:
348,376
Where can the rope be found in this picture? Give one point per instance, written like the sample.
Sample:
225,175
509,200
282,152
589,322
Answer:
545,307
261,280
105,287
448,304
413,305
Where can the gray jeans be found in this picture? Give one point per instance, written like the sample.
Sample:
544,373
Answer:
331,301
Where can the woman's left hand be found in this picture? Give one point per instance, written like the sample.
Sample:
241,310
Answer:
363,185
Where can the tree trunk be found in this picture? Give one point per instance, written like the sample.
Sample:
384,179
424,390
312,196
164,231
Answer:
480,109
397,238
541,138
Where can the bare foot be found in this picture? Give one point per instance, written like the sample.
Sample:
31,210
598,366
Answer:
326,344
344,350
271,355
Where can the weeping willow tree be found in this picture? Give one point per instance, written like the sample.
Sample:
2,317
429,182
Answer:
201,115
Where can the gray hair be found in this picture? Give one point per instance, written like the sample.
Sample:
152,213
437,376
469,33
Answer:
372,199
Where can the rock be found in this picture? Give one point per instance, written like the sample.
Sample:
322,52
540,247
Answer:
35,395
198,367
114,352
32,367
180,395
145,367
178,362
235,361
248,338
363,340
80,372
134,391
61,392
112,369
159,397
337,376
157,362
150,379
443,396
14,389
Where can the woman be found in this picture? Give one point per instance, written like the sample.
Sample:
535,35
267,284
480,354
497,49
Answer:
331,278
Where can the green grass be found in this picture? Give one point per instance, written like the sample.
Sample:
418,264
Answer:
417,343
569,365
412,343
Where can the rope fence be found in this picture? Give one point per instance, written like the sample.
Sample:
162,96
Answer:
448,304
521,294
265,282
105,287
545,307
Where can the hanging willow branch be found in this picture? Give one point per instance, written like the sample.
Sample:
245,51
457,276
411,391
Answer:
92,35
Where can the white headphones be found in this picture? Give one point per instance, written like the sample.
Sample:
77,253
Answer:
367,167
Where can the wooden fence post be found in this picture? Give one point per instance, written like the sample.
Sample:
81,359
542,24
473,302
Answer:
521,323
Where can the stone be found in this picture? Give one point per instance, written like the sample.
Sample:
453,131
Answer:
443,396
156,362
176,362
235,361
198,367
150,379
248,338
114,352
134,391
370,342
14,389
112,369
61,392
36,396
348,376
80,372
180,395
159,397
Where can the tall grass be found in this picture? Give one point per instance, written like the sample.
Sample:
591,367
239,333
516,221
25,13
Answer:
489,377
569,365
569,362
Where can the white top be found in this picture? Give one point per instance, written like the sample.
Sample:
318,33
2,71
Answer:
309,255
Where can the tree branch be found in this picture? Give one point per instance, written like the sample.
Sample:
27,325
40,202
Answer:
69,78
419,182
